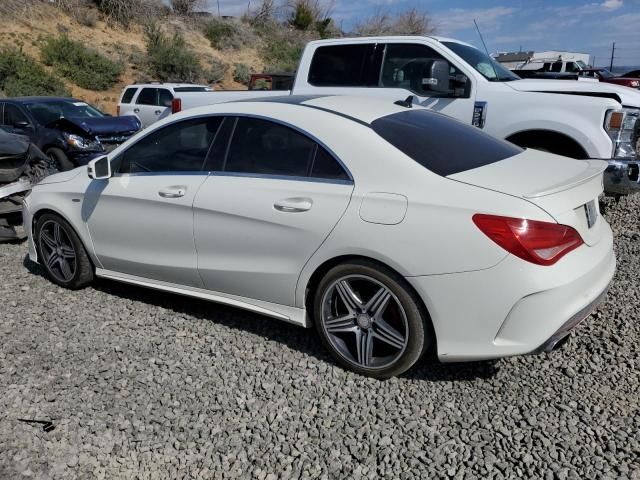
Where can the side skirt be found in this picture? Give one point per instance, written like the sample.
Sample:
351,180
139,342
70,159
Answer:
296,316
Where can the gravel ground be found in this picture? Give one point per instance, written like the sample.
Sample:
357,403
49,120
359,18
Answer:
141,384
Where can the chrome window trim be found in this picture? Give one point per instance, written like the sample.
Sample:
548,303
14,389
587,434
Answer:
266,176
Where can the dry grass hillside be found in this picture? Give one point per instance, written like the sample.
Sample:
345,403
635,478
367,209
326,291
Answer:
27,32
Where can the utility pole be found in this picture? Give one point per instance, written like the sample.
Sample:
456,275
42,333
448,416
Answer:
613,51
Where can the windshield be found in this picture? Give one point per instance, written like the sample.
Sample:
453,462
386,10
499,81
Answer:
605,73
47,112
581,64
484,64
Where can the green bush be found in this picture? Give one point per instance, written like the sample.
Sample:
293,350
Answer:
242,73
83,66
303,16
20,75
170,58
226,34
217,71
282,50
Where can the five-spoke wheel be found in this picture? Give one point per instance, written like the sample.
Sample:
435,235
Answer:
370,319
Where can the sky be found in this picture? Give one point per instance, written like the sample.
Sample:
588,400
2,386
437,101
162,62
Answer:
538,25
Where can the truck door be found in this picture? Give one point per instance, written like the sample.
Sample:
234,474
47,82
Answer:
394,71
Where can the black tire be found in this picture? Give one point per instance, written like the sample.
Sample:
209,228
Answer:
80,266
415,330
61,159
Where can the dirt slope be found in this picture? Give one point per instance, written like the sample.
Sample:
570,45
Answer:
118,43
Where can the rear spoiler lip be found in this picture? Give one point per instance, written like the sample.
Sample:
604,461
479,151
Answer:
596,168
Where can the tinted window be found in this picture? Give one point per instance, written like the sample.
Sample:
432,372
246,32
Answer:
556,67
263,147
165,97
341,66
325,166
441,144
215,159
13,115
179,147
406,66
128,95
49,111
148,96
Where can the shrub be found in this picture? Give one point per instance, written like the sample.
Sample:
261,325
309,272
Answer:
83,66
241,73
411,22
302,17
170,58
217,71
127,11
20,75
228,34
186,7
282,47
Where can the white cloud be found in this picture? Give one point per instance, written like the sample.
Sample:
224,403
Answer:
611,5
457,19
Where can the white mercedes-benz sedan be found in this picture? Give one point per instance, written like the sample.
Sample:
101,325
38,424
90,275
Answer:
390,228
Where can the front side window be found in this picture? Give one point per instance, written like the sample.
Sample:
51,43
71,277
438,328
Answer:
179,147
410,66
128,95
148,96
262,147
341,65
441,144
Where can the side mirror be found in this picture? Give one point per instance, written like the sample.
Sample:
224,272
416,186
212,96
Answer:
99,169
435,76
22,125
460,85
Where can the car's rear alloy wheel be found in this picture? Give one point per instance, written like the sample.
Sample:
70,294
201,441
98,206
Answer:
370,320
61,253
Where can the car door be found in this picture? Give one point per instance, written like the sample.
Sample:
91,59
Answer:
141,219
266,209
146,107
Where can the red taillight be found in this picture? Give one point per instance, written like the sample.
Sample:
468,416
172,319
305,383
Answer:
176,105
542,243
118,111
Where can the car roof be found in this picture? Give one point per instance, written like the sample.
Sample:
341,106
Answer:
363,110
386,38
41,99
166,85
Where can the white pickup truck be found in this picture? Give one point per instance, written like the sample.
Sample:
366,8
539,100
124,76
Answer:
578,119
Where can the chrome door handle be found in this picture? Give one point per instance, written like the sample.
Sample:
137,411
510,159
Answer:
158,112
173,192
136,110
293,205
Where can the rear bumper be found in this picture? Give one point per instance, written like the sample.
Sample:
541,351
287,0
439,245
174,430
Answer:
515,308
622,177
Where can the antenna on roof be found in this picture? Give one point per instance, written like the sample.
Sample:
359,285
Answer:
485,47
407,102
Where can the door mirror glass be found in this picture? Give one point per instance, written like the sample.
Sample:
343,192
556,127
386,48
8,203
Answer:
99,169
22,125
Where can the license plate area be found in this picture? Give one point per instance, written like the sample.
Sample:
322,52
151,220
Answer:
591,212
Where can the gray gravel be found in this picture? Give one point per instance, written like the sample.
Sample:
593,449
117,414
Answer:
141,384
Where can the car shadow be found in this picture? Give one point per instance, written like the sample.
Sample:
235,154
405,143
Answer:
304,340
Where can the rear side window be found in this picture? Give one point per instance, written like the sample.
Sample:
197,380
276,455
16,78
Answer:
441,144
262,147
341,65
148,96
128,95
164,97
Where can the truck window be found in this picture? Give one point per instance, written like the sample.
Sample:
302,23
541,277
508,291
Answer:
404,65
341,66
165,97
441,144
148,96
556,67
572,67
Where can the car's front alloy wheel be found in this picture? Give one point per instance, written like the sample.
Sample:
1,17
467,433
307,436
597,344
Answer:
370,320
61,253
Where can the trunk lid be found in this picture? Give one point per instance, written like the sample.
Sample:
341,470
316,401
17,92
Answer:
565,188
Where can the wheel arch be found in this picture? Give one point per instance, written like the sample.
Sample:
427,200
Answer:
550,139
322,269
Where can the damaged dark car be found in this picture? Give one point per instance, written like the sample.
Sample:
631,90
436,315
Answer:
22,165
69,131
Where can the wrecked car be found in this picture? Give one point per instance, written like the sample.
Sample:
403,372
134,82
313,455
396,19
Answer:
22,165
69,131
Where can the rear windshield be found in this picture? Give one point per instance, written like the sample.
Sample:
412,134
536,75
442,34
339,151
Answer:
441,144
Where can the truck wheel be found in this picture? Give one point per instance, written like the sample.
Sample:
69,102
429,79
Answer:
61,159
